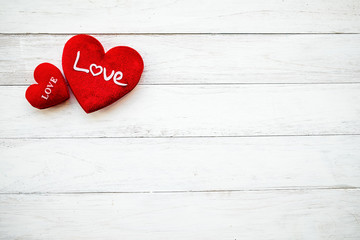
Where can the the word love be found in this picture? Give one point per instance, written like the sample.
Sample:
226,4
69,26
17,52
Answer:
96,70
48,88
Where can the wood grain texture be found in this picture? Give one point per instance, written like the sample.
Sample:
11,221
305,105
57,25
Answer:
169,16
178,164
202,59
216,110
214,142
238,215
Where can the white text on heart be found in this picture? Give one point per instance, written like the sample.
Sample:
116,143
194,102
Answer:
48,88
98,70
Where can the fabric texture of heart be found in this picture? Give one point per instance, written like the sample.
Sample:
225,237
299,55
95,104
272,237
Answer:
96,78
51,88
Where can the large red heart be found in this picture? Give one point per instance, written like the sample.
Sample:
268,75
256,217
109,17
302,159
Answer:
96,78
51,88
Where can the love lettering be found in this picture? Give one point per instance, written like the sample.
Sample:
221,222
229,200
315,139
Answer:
117,76
49,87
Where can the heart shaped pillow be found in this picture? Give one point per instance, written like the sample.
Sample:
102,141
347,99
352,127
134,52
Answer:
50,89
96,78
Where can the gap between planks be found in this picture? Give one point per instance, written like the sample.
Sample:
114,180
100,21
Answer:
155,137
212,84
191,191
179,33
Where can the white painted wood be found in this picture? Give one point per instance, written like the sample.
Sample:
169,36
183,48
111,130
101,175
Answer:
192,89
166,16
199,59
216,110
230,215
178,164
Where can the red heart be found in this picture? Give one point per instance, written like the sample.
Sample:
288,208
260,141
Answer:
51,88
96,78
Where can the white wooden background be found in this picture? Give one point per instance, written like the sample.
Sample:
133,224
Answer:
245,124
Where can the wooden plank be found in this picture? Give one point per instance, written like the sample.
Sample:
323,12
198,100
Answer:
178,164
286,215
216,110
199,59
163,16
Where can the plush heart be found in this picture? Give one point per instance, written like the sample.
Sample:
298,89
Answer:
96,78
51,88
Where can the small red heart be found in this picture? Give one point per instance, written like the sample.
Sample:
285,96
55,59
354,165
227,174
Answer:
50,89
96,78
